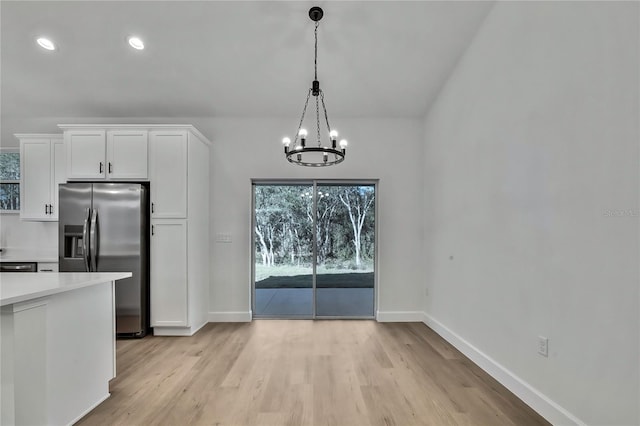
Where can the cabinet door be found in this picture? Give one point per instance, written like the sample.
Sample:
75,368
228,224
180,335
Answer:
169,274
127,154
58,174
35,184
86,151
168,177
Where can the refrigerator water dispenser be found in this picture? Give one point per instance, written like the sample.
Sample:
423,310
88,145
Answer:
73,241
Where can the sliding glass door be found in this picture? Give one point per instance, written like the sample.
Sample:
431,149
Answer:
314,249
345,241
283,255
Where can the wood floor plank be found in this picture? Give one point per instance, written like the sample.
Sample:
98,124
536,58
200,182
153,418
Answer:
299,373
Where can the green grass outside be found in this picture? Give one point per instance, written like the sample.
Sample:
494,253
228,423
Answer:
264,272
291,276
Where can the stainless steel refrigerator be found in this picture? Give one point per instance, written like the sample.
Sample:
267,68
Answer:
103,227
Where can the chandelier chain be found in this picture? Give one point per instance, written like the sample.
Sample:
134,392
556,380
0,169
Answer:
302,117
326,116
318,119
315,57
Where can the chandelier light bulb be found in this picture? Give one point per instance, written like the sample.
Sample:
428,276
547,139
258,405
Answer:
286,141
343,143
333,134
302,133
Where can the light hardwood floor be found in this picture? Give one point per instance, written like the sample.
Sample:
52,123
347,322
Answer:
304,373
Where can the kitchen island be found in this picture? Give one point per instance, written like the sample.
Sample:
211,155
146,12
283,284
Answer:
57,345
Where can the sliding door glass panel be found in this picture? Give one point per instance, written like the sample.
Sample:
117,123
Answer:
345,248
283,240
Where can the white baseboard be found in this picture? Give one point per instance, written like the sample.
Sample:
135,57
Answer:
177,331
399,316
535,399
172,331
242,316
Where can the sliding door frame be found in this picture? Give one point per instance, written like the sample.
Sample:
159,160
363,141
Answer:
315,183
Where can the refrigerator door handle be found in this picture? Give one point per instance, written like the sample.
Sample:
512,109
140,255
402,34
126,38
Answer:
85,239
94,240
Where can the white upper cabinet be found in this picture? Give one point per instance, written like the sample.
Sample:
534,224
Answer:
86,154
99,154
127,154
168,174
42,165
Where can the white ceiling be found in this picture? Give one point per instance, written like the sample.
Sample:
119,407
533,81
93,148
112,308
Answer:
228,58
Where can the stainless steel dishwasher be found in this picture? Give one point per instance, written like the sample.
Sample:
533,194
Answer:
18,267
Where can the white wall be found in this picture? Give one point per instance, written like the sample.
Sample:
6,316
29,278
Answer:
15,233
531,144
250,148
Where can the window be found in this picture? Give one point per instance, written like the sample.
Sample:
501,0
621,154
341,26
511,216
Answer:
9,180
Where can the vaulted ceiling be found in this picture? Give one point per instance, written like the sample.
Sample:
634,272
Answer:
228,58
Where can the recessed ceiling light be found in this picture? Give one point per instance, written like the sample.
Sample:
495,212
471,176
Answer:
45,43
136,43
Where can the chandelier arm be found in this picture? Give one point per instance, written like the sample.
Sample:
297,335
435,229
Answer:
304,110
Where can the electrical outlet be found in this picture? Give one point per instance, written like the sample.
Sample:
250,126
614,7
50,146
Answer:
223,238
543,346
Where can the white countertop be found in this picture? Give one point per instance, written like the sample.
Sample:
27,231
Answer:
18,287
10,254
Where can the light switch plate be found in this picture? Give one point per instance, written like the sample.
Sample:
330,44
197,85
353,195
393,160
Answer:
543,346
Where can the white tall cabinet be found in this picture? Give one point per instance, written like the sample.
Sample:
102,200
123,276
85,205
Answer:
175,161
179,178
42,168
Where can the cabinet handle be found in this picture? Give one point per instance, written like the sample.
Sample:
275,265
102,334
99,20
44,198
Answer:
46,209
101,166
110,167
153,230
153,207
50,208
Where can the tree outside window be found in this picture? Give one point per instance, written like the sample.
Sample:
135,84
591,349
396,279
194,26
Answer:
345,226
9,181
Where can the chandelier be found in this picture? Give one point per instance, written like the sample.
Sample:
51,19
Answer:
319,155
